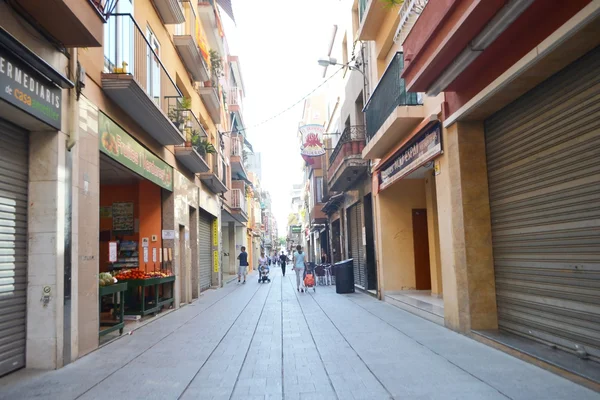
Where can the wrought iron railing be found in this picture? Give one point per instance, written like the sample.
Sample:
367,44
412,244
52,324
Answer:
234,97
389,94
184,119
128,50
351,134
409,8
237,148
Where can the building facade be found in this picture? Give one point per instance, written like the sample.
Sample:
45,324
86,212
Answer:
484,221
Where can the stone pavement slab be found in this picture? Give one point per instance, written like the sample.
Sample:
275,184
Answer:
268,341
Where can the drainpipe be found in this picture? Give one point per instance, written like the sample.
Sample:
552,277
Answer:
73,133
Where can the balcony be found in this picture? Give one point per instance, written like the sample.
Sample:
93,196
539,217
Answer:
238,205
192,154
170,11
187,45
137,81
391,111
346,164
234,100
74,23
237,158
371,16
215,179
409,13
211,98
211,22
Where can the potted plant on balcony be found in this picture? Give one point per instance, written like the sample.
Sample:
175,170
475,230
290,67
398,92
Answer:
203,147
216,67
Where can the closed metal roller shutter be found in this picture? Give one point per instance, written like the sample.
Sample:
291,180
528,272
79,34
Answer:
205,256
13,246
543,154
356,244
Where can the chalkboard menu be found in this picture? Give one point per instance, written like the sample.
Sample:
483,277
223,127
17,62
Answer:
123,221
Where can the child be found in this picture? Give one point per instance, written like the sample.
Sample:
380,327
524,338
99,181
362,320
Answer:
243,257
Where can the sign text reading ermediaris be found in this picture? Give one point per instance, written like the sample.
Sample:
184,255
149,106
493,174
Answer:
22,87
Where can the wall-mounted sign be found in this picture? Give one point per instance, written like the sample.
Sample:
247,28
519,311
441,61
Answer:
312,145
421,149
24,88
296,229
215,233
123,221
112,252
168,234
118,145
145,242
215,261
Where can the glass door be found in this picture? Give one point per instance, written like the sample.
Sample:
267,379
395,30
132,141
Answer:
154,68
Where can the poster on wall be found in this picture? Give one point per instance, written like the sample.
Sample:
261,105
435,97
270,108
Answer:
312,140
216,261
112,252
123,221
215,233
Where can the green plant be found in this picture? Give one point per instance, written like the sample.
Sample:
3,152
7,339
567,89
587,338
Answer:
186,103
203,147
216,66
177,118
392,3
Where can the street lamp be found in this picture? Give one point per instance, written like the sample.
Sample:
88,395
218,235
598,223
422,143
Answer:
327,61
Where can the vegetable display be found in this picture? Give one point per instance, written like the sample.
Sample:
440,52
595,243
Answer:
105,279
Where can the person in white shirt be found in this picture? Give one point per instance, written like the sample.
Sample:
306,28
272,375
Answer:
298,267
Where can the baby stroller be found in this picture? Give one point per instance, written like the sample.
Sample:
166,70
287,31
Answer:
309,277
263,274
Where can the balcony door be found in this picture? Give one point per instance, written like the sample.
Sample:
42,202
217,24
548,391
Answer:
153,67
119,39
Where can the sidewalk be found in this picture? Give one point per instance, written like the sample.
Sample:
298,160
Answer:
267,341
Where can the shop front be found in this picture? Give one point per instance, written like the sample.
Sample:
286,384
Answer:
32,208
406,225
133,183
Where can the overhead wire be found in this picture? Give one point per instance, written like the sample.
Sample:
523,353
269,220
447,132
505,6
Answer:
288,108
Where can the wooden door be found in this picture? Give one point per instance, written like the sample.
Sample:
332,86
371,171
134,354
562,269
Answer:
421,249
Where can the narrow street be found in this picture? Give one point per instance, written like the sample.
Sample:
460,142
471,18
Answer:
270,342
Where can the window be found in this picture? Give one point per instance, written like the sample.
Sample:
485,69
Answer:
154,69
319,189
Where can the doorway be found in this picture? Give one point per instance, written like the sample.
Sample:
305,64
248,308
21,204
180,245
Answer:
195,272
336,255
182,266
421,249
370,243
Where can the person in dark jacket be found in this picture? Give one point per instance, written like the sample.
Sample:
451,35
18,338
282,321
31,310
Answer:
282,261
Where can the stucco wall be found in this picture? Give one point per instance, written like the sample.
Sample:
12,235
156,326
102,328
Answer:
395,222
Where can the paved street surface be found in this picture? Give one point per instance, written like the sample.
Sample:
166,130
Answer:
269,342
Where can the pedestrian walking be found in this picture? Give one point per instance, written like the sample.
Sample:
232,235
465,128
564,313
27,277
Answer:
274,259
298,267
243,257
282,261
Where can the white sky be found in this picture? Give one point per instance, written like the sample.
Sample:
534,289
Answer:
279,43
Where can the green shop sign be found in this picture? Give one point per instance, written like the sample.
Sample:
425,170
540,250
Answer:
118,145
24,88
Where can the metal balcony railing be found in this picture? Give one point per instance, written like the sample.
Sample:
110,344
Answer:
389,93
184,119
238,199
408,9
349,143
189,26
234,97
237,146
128,50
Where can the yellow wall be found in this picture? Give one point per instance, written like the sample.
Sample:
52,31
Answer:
395,205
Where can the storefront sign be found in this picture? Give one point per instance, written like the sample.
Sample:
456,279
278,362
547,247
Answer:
118,145
215,233
296,229
420,150
312,134
26,89
216,261
168,234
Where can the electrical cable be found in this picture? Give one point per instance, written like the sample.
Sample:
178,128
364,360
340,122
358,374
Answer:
287,109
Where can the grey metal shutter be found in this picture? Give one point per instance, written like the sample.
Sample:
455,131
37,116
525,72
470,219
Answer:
13,246
205,256
356,244
543,154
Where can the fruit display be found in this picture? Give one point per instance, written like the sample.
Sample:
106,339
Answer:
106,279
139,274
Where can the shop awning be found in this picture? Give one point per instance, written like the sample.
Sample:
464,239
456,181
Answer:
333,204
227,7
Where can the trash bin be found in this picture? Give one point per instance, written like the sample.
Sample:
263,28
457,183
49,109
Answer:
344,276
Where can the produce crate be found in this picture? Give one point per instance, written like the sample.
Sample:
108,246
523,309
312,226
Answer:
139,303
118,292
